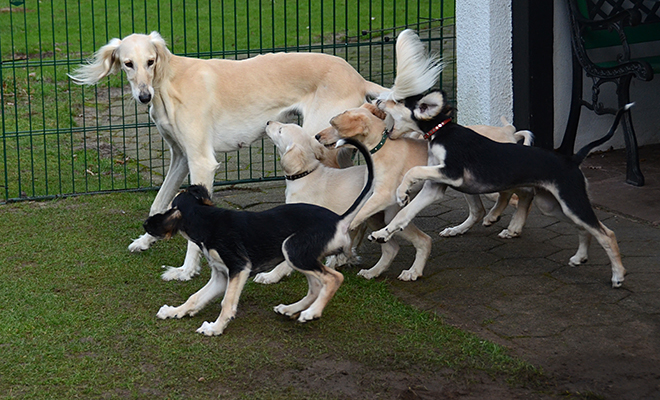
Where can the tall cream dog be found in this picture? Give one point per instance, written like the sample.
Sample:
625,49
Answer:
201,107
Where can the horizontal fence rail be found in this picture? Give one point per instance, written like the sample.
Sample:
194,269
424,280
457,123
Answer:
60,139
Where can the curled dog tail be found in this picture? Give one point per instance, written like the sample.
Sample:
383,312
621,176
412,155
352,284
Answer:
584,152
416,71
368,186
526,136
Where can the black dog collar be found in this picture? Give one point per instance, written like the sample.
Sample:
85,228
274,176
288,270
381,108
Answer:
298,176
436,128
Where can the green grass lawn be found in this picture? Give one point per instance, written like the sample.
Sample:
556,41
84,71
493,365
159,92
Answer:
44,116
79,320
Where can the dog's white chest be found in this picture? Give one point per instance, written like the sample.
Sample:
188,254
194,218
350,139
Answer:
437,155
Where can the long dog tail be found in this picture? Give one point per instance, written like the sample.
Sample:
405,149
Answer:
368,186
584,152
416,70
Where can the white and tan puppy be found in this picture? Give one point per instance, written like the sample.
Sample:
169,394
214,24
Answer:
202,107
310,181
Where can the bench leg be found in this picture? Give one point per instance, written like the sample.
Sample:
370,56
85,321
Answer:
634,174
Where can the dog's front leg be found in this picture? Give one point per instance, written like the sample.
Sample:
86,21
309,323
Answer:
477,212
214,288
525,197
377,202
177,172
414,175
202,171
430,193
229,305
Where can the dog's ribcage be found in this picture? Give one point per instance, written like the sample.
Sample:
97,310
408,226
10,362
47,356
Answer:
254,239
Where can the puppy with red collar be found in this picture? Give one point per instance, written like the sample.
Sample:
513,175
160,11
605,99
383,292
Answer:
473,164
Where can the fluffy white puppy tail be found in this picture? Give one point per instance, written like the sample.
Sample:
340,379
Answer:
416,71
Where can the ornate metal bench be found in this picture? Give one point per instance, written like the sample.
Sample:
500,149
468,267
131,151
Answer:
598,24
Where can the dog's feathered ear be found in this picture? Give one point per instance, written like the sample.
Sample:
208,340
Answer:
350,123
165,225
430,106
293,159
375,110
163,57
103,63
201,194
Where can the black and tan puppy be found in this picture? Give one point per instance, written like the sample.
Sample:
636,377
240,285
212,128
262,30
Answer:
471,163
238,244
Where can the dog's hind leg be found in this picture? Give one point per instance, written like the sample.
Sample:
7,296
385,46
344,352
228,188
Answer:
330,282
229,305
313,289
498,208
214,288
477,212
577,207
582,254
280,271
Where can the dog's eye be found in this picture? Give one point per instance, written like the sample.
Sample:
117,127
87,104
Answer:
128,64
150,63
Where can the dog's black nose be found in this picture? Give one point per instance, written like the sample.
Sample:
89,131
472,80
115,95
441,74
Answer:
145,97
267,123
318,136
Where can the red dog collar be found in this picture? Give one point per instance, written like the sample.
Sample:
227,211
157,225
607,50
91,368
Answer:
430,133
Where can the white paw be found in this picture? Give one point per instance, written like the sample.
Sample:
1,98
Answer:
282,309
267,278
142,243
367,274
506,234
167,312
488,221
380,236
576,261
308,315
408,276
209,329
177,274
451,232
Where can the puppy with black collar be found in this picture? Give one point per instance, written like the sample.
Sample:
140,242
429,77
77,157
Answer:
471,163
238,244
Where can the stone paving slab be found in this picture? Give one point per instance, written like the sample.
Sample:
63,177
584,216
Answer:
522,293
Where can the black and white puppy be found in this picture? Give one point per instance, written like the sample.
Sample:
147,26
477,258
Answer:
471,163
238,244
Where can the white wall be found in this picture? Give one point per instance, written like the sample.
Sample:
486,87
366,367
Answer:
483,62
484,77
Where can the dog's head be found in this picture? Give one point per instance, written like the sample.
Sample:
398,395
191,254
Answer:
415,113
167,224
365,123
144,59
299,151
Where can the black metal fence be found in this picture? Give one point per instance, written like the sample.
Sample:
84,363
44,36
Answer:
60,139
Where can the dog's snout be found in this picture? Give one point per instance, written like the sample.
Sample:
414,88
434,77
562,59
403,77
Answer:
145,97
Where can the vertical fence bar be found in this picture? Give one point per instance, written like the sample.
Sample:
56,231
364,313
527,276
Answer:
46,152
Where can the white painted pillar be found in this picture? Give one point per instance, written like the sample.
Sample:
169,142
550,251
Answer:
484,79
